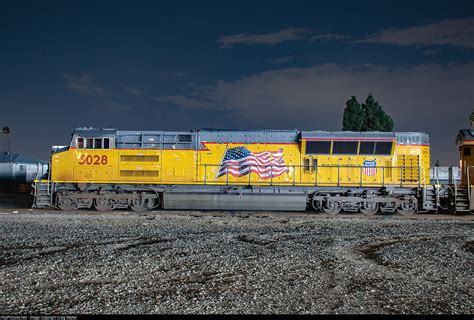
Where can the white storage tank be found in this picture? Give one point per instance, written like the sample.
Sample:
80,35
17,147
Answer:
18,171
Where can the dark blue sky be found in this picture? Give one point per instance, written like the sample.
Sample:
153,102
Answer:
145,65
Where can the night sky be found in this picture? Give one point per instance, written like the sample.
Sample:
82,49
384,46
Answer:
137,65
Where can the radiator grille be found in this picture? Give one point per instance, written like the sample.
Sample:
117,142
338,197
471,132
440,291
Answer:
135,158
138,173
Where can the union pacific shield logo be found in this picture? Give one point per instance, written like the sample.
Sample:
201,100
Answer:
369,168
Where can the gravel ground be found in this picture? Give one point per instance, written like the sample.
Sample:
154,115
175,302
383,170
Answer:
70,263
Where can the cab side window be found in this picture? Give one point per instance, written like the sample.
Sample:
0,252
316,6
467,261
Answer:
467,151
80,143
90,143
93,143
97,143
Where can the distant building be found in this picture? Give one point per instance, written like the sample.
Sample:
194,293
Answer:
445,175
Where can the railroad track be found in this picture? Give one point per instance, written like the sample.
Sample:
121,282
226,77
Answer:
246,214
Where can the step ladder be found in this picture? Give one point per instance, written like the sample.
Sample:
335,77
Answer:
42,195
461,198
430,198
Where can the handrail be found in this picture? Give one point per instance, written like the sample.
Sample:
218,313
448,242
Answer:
49,178
468,185
421,181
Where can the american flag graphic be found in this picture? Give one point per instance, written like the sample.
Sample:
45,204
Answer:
369,167
240,161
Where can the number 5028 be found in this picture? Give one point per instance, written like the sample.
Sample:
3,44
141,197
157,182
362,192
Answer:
93,160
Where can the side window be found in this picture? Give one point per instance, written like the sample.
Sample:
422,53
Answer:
106,143
80,143
383,148
318,147
467,151
98,143
184,138
307,164
344,147
366,147
89,143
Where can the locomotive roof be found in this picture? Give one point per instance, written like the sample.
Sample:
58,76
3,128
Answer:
464,135
346,134
265,135
93,132
409,138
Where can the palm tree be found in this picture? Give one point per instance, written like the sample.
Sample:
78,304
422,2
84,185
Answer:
6,131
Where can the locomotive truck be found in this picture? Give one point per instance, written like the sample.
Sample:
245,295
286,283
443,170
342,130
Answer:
285,170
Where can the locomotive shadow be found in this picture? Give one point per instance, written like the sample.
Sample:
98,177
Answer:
15,200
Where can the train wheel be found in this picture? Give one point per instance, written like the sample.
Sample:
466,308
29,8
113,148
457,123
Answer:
407,208
332,207
141,205
66,203
102,204
316,204
369,208
138,205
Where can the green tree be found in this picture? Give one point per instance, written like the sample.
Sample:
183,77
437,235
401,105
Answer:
375,118
366,117
353,118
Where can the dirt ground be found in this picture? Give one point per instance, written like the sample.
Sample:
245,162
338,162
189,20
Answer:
234,262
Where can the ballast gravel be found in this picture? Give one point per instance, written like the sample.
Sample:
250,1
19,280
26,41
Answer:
77,263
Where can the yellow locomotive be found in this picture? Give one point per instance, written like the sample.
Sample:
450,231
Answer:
241,170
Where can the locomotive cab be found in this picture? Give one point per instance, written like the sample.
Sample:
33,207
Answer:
84,138
464,193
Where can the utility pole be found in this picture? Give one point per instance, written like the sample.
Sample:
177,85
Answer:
472,119
6,131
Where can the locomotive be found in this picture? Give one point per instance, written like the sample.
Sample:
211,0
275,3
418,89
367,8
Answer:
286,170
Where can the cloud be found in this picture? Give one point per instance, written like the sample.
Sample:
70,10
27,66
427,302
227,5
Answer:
280,60
431,98
133,91
265,39
324,89
455,32
84,84
327,37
